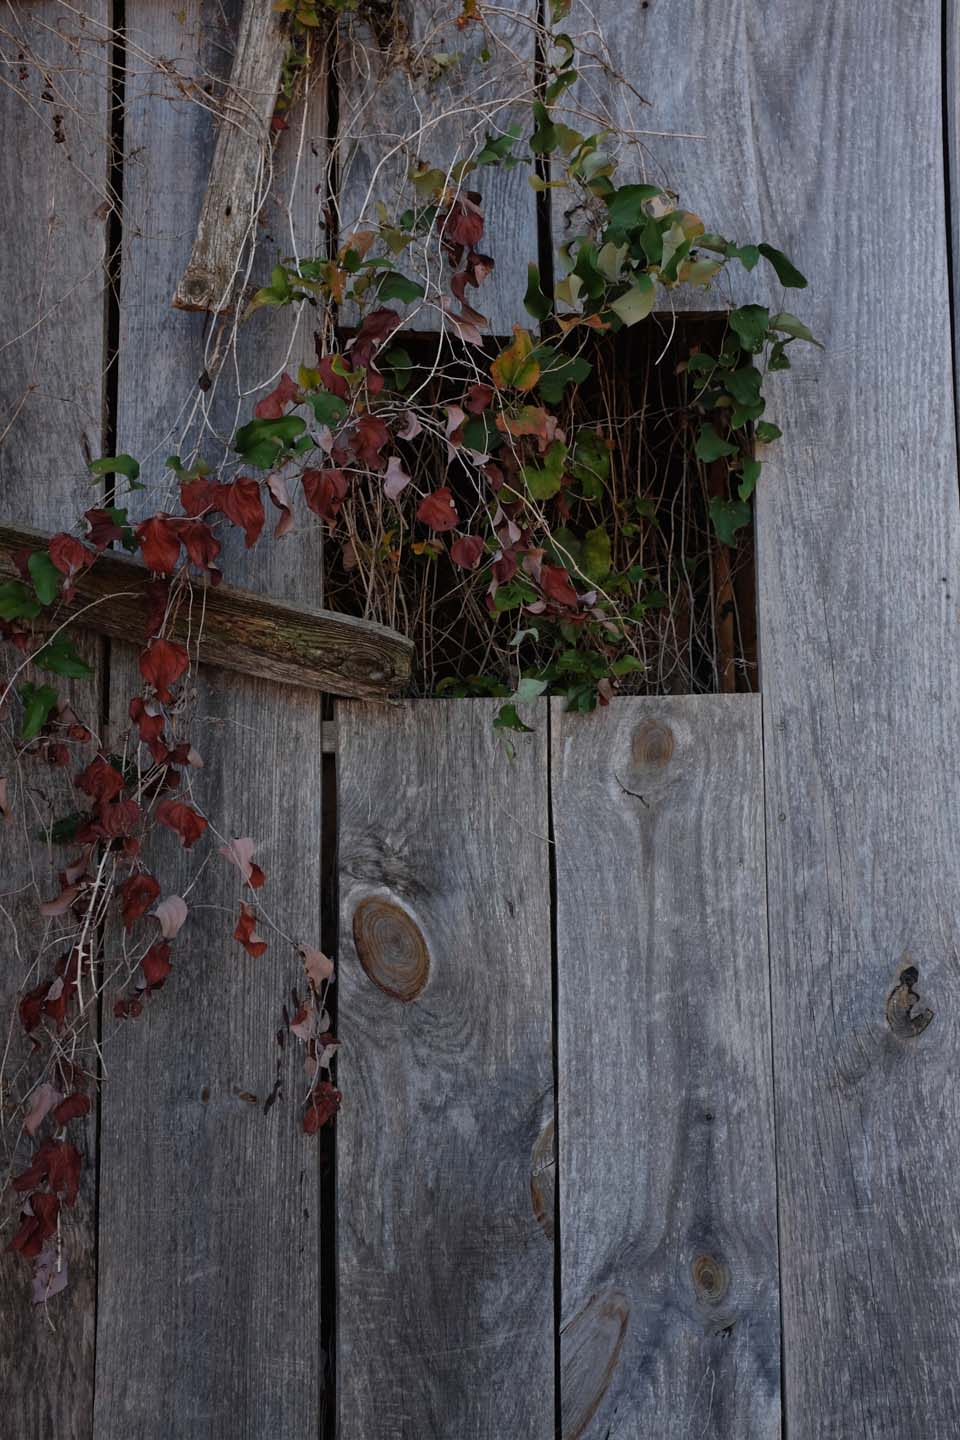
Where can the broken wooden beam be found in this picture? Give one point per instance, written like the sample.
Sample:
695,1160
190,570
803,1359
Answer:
240,161
237,629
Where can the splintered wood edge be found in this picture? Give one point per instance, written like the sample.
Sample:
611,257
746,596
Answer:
244,138
239,630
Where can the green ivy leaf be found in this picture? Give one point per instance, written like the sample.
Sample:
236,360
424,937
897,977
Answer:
626,665
750,324
38,701
529,689
744,384
46,577
595,554
535,302
507,719
787,272
394,286
788,324
766,432
262,442
750,473
116,465
497,148
329,409
748,255
637,302
711,446
728,516
60,658
543,482
16,602
557,371
625,206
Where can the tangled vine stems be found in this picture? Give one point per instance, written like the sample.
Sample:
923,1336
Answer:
529,551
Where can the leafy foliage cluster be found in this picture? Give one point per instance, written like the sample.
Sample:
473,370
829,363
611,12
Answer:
478,462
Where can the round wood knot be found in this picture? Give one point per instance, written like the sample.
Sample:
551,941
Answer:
653,745
391,948
711,1278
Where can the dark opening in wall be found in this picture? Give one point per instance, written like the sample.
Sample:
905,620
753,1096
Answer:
685,598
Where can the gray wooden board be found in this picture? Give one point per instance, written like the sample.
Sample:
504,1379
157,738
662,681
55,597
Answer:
670,1323
445,1306
209,1223
859,557
692,63
397,109
53,185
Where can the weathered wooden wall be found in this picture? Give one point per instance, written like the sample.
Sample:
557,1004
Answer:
756,1141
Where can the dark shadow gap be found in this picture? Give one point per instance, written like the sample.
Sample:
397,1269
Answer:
948,62
116,82
692,602
327,1136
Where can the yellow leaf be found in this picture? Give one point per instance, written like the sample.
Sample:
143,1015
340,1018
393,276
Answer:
514,369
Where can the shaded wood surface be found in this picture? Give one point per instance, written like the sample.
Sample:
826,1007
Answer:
393,84
209,1233
692,61
53,180
238,629
665,1105
858,608
240,173
445,1267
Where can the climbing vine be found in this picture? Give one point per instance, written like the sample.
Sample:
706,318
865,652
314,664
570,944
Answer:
468,495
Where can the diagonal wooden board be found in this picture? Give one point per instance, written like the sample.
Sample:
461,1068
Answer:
237,630
668,1221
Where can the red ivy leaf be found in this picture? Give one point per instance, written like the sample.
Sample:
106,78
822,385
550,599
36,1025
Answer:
467,551
103,529
438,510
159,544
136,896
156,965
368,439
162,664
69,556
271,407
323,1103
182,818
201,545
241,502
246,931
324,491
557,585
477,399
72,1108
100,780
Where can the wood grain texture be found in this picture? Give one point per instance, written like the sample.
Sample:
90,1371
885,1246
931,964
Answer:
53,173
445,1269
238,629
665,1107
859,555
692,61
241,163
399,106
209,1223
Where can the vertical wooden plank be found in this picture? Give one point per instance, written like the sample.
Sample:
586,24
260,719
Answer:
417,90
445,1249
665,1113
53,174
209,1224
859,553
690,60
